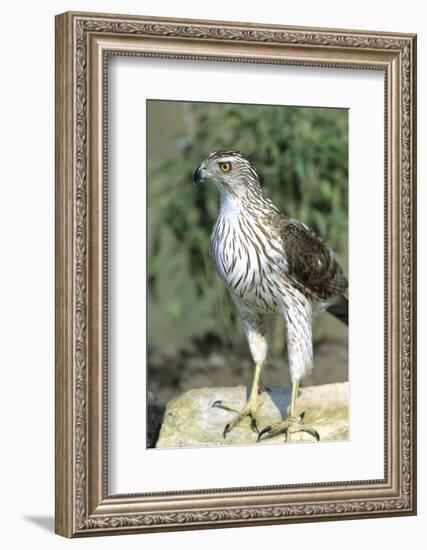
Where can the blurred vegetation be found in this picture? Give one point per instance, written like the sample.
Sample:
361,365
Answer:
301,155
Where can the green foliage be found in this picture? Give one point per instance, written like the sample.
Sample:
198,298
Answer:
301,156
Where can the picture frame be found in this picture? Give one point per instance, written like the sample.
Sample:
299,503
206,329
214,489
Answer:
84,42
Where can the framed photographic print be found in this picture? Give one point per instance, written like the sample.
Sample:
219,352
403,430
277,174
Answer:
235,274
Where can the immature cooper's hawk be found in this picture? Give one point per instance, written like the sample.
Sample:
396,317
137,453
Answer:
271,264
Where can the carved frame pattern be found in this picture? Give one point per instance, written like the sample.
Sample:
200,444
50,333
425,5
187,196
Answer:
83,506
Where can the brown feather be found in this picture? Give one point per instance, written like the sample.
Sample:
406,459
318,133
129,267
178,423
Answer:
312,265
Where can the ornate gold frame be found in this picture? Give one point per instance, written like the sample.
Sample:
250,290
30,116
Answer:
83,42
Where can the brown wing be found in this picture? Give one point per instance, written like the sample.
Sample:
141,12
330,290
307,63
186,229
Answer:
312,265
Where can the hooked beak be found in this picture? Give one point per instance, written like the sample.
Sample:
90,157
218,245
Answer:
199,175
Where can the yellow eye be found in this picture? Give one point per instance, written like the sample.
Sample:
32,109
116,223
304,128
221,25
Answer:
225,166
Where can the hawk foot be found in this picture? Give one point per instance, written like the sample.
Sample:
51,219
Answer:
289,426
249,410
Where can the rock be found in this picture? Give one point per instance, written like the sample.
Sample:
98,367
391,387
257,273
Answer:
190,420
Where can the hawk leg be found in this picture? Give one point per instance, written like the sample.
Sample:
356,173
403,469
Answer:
249,410
292,424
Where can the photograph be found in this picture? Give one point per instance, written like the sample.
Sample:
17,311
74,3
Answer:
247,262
213,256
235,273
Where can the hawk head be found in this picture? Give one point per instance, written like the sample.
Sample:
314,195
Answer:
231,172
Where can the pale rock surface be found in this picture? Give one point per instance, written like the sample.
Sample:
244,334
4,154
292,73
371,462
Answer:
190,420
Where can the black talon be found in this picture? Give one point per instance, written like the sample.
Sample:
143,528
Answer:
226,430
311,431
263,431
216,403
315,434
254,426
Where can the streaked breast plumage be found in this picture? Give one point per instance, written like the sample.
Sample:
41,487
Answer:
247,260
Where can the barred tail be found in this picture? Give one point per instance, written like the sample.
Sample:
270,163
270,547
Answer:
340,310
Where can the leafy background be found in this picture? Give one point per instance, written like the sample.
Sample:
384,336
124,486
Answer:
301,155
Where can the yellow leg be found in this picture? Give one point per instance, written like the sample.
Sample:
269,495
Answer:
292,414
255,383
293,423
251,407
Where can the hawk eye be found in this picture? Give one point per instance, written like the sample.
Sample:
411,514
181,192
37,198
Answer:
225,166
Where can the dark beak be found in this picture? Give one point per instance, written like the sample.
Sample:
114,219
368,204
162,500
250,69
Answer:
197,176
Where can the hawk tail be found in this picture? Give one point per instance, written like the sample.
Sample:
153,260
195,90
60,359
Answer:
340,310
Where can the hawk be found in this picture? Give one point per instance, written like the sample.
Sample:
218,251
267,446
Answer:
270,264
